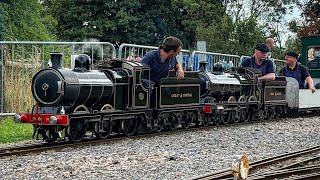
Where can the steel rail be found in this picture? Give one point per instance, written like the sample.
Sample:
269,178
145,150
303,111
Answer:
300,163
226,173
286,173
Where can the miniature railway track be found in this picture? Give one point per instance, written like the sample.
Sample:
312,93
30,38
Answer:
41,147
297,170
31,148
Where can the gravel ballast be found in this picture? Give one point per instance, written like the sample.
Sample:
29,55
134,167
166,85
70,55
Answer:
180,155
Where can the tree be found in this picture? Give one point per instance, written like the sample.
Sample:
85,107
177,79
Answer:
133,21
265,17
311,24
22,21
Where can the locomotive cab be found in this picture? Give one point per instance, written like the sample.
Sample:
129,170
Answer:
139,94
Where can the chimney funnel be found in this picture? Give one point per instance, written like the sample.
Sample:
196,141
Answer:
56,59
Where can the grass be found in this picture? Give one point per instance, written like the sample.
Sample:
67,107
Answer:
11,132
19,80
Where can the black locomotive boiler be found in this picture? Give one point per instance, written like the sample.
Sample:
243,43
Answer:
113,98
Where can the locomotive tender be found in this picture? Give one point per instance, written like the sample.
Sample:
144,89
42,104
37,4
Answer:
112,98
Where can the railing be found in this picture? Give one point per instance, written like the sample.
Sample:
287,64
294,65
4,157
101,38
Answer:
135,52
212,58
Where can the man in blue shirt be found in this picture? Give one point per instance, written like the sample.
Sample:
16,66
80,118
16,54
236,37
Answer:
162,60
259,61
296,70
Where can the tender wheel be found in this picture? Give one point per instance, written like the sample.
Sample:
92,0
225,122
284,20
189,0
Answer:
273,112
173,124
129,126
103,129
278,112
187,122
77,130
160,124
189,119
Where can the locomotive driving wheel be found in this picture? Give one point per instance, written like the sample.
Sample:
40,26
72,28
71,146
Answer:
227,118
103,128
231,116
245,114
77,127
242,110
129,126
206,120
232,113
220,119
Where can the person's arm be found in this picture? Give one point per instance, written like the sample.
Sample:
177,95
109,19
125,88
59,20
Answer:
310,83
305,73
270,76
270,72
179,71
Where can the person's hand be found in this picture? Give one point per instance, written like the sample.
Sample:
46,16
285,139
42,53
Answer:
180,74
312,89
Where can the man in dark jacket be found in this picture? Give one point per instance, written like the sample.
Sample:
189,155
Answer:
162,60
259,61
296,70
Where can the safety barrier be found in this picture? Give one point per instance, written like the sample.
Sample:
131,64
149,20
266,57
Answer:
135,52
212,58
20,60
278,64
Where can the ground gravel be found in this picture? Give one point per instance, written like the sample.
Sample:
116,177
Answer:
180,155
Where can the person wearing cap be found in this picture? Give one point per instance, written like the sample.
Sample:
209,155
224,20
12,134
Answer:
162,60
259,61
297,71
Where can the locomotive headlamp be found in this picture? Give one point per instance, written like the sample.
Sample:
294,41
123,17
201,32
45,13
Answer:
53,120
17,118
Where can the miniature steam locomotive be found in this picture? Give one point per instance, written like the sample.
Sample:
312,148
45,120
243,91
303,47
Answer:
112,98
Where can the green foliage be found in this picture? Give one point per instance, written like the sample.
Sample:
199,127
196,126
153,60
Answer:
12,132
270,15
133,21
227,26
293,44
23,21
